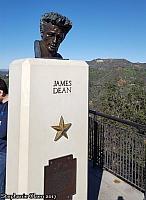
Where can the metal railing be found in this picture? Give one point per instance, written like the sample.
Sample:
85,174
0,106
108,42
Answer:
119,146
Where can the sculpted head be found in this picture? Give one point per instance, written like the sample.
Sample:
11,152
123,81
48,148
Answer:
3,90
53,28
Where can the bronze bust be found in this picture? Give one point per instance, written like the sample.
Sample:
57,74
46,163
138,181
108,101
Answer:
53,27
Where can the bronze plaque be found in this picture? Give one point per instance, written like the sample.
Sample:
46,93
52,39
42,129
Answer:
60,177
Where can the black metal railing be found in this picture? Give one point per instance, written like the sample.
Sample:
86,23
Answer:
118,146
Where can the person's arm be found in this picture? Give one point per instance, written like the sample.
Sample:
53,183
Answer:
3,122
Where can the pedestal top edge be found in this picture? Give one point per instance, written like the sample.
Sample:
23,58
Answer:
39,61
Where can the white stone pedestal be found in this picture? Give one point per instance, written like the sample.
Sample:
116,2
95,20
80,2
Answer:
48,119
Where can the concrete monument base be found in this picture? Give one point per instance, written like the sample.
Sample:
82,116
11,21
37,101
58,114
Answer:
48,129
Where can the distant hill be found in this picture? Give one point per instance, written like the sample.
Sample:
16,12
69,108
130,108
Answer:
118,87
113,63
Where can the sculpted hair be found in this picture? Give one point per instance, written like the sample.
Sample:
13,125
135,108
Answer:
56,19
3,86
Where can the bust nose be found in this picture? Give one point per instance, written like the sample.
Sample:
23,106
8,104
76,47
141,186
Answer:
54,39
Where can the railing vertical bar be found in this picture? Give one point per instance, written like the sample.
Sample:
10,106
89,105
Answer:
89,138
106,160
103,145
93,140
98,146
89,143
145,168
121,152
126,155
129,158
116,158
117,152
135,162
95,143
132,156
101,139
111,151
123,155
138,166
91,146
100,142
142,177
120,162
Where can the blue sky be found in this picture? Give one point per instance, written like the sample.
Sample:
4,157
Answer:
101,28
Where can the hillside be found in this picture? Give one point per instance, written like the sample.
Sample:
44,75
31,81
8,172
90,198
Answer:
118,87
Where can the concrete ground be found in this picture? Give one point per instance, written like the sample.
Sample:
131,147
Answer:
103,185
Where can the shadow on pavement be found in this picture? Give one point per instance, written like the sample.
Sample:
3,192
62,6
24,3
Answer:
94,181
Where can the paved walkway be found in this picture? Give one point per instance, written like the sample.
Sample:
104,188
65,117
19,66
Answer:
105,186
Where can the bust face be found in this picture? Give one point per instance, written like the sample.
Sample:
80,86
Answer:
52,37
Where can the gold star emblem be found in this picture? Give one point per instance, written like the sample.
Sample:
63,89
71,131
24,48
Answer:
61,129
